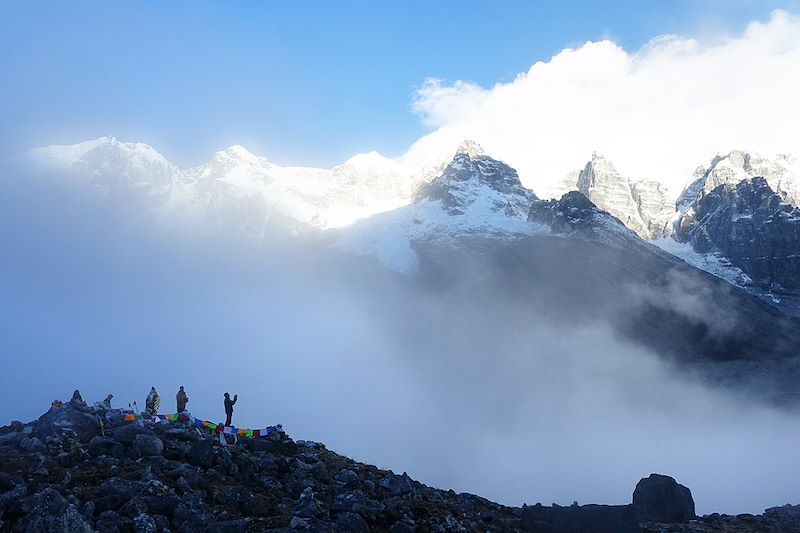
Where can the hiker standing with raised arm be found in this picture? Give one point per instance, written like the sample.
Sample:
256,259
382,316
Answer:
182,400
229,407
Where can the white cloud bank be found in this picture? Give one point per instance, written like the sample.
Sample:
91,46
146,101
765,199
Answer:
657,113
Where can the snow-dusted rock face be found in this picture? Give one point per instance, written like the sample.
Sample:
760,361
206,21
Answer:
643,206
475,196
752,226
575,215
655,205
781,173
472,175
740,209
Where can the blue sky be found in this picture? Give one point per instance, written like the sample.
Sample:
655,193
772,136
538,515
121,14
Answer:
300,82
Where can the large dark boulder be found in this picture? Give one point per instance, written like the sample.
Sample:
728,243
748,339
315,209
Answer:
659,498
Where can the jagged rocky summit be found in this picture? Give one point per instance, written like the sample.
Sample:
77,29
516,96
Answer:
60,474
473,176
474,197
741,243
751,225
644,205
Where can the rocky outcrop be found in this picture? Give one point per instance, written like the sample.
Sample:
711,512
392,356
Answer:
575,215
644,206
739,165
752,227
655,207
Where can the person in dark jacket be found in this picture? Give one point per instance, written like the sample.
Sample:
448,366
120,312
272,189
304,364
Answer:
229,407
182,400
77,402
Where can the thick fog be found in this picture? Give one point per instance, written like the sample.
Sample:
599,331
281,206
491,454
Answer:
461,389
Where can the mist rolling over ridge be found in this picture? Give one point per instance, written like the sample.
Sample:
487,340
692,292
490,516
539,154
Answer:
462,384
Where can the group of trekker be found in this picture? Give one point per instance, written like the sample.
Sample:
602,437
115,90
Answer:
153,402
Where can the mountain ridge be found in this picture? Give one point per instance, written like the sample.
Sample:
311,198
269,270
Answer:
66,473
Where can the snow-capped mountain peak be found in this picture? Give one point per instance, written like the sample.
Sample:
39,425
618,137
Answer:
471,176
470,148
240,154
106,149
110,165
475,195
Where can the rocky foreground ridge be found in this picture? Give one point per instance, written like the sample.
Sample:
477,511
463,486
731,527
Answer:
61,474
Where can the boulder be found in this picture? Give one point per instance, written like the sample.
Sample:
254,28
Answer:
659,498
144,524
85,424
191,513
32,444
50,511
148,445
352,522
394,485
8,482
127,434
347,478
178,433
230,526
356,502
109,522
401,527
101,446
201,453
